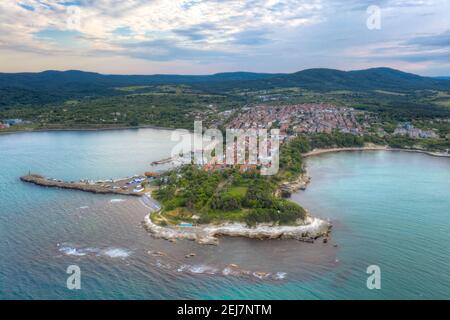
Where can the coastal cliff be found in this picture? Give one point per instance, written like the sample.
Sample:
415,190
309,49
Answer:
312,229
287,188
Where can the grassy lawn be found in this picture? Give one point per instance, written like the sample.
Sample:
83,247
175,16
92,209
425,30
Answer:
131,88
439,98
222,216
390,92
173,217
238,192
444,103
183,214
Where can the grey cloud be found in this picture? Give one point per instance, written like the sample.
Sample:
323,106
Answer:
422,57
362,5
251,37
411,55
438,40
197,32
165,50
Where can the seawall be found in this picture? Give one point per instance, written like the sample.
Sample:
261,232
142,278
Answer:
96,187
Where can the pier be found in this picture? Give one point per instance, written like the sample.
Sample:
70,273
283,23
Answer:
122,187
163,161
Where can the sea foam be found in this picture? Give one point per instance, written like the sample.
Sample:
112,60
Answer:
108,252
116,200
71,251
198,269
280,275
116,253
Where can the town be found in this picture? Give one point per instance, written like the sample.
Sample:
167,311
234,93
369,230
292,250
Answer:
303,118
407,129
5,124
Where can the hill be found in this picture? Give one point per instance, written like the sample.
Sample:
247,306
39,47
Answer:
56,86
330,79
77,99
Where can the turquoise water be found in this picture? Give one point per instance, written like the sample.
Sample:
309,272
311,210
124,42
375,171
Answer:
389,209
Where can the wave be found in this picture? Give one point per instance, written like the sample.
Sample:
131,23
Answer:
280,275
231,270
198,269
183,267
116,253
108,252
116,200
160,264
79,252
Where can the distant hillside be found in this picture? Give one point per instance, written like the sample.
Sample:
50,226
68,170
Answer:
442,78
61,78
55,86
330,79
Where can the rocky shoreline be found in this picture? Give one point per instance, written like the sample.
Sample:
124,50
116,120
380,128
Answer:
308,231
313,229
289,187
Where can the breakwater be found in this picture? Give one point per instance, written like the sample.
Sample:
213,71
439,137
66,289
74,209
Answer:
101,187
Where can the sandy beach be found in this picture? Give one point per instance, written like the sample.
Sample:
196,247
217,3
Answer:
316,152
81,129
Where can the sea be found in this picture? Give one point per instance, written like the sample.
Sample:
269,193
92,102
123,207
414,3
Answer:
390,211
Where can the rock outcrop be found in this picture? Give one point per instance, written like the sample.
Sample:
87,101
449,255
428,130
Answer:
288,188
312,229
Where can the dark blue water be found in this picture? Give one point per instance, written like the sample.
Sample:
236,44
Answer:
388,209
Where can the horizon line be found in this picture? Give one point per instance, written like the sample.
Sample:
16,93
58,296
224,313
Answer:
212,74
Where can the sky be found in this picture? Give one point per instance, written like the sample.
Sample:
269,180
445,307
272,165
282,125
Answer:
210,36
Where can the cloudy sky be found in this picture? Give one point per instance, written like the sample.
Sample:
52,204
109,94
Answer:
208,36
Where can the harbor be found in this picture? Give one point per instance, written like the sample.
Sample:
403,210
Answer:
132,186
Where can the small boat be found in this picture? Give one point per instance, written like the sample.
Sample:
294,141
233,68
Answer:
185,225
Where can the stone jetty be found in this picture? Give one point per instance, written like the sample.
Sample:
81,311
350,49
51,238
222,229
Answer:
101,187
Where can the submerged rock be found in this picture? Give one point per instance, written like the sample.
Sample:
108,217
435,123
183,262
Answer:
157,253
261,275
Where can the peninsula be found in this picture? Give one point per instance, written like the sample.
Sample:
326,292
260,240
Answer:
199,203
203,202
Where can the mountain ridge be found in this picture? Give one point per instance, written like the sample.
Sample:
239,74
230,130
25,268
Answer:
53,86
